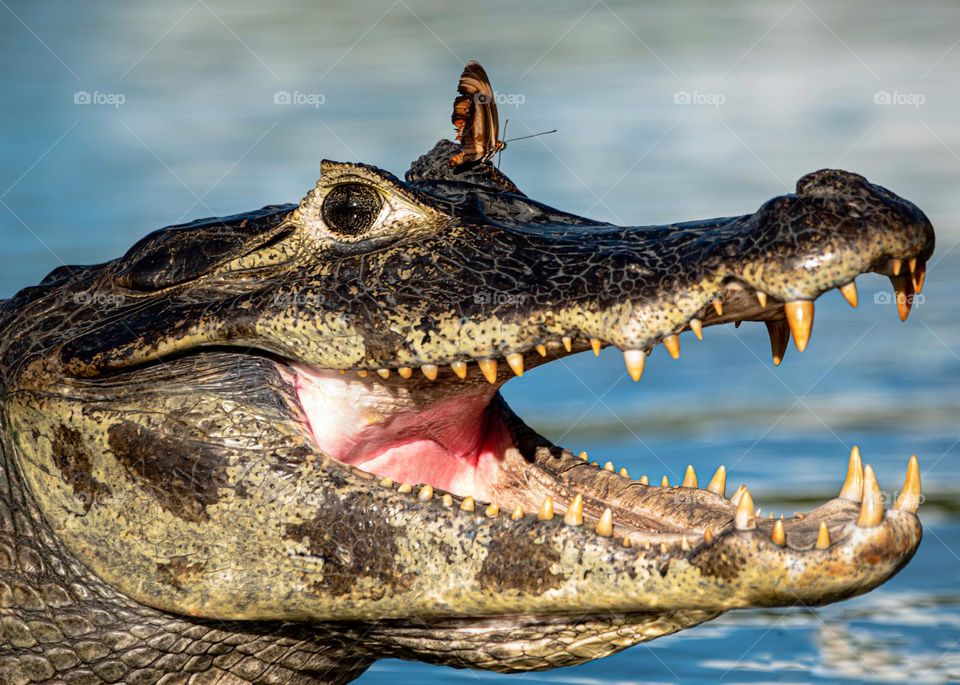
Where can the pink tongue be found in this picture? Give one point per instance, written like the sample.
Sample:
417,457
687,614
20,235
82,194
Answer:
456,444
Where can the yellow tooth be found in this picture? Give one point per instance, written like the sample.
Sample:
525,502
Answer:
542,350
430,371
852,489
909,497
718,306
386,482
690,477
609,467
605,524
515,361
697,327
623,472
383,373
708,535
405,372
684,545
644,480
672,343
663,548
567,343
574,513
341,371
517,513
849,292
746,517
468,504
425,494
447,500
596,345
664,482
762,298
595,463
779,333
489,369
871,508
635,361
919,276
903,295
626,541
912,264
779,537
896,265
718,484
459,368
737,494
493,510
362,373
405,488
823,536
546,509
583,455
800,320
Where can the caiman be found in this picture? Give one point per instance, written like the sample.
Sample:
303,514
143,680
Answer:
271,447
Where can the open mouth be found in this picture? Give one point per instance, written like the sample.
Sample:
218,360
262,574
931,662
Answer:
442,433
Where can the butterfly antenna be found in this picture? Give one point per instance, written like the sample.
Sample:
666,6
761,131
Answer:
532,135
500,153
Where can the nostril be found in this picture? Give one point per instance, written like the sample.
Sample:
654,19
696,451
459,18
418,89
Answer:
829,183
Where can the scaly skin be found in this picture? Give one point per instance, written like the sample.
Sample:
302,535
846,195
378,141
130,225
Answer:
168,512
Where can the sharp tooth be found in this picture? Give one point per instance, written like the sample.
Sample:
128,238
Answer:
644,480
718,484
341,371
746,517
546,509
909,498
430,371
447,500
852,489
903,294
708,535
517,513
663,548
362,373
779,333
912,264
690,477
425,494
697,327
919,276
583,455
567,343
515,361
762,298
542,350
489,369
605,524
871,508
609,467
383,373
718,306
405,488
574,513
800,319
623,472
684,545
626,541
459,368
405,372
493,510
849,292
468,504
386,482
779,537
823,536
635,361
896,265
595,463
664,482
596,345
738,493
672,343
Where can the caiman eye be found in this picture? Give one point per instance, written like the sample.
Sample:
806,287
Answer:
351,208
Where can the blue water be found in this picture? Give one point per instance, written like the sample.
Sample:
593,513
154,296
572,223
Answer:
182,123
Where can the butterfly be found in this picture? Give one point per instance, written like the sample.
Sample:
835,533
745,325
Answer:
475,117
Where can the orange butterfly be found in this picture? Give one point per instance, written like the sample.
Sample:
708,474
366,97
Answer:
475,117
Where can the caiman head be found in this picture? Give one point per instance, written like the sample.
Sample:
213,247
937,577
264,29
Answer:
293,415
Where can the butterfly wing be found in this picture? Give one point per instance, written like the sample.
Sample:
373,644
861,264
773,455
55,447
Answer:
475,116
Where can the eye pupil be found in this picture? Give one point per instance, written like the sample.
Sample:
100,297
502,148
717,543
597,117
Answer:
351,208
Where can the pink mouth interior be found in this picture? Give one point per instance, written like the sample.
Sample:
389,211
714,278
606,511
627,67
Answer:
453,443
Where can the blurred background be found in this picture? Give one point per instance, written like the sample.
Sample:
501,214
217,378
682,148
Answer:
119,118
